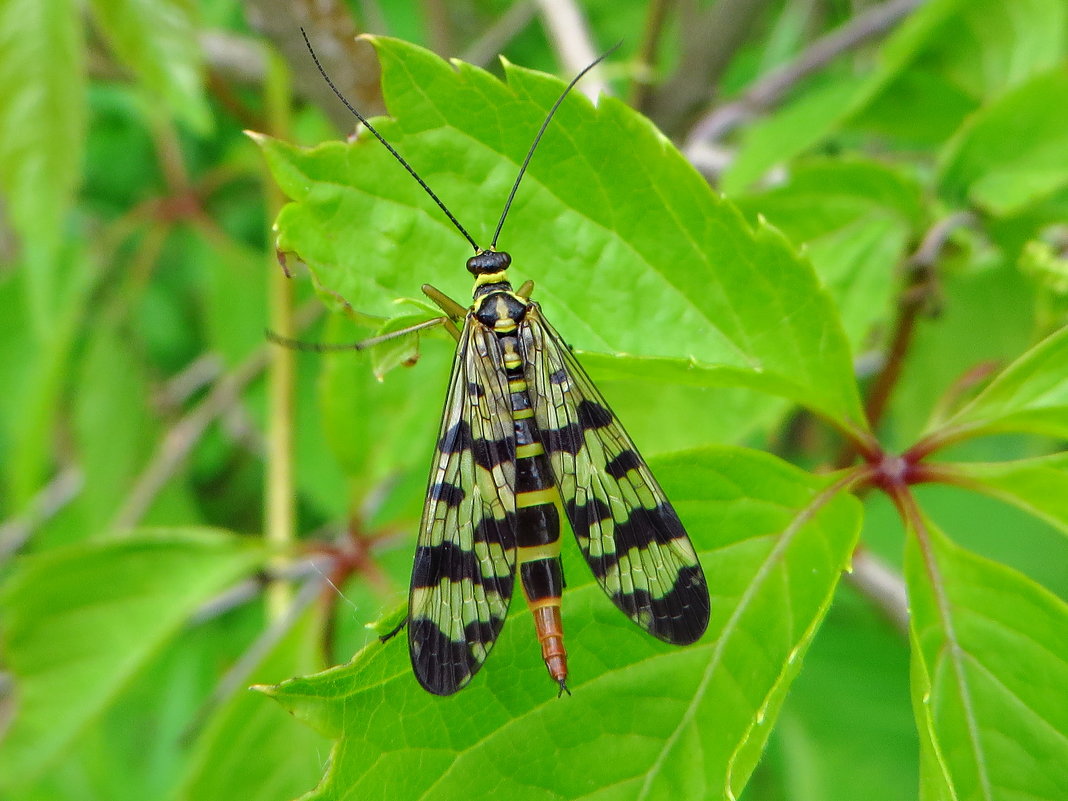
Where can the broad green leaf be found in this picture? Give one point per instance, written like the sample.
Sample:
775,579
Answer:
846,730
233,300
381,431
945,349
1013,151
990,664
631,250
1038,486
42,116
818,112
1031,395
891,117
677,722
112,422
40,395
157,40
252,750
79,622
801,124
139,746
988,46
945,58
854,219
668,416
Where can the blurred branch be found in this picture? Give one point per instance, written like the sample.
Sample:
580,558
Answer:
509,25
767,91
920,285
874,579
351,62
237,676
438,26
372,17
46,504
236,58
177,443
570,37
196,375
710,38
250,589
646,58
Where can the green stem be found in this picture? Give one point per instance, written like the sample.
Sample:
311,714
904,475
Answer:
279,506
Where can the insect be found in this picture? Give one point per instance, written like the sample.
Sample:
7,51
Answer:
524,434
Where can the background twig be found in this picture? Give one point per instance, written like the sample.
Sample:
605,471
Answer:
710,38
351,63
874,579
766,92
571,39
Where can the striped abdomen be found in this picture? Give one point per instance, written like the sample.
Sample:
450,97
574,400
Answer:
537,520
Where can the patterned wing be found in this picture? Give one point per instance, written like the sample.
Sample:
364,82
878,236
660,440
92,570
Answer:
465,561
627,530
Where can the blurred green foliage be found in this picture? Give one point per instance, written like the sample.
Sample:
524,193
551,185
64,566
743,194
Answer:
894,237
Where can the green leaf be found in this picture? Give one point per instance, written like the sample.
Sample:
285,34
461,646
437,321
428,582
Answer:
382,430
798,126
991,299
1038,486
990,664
403,351
157,40
945,58
39,396
42,115
114,427
826,107
988,46
1031,395
846,730
79,622
632,251
252,750
854,219
686,722
1012,152
679,418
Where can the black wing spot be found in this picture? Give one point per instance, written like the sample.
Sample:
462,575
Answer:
593,415
447,560
475,390
644,527
567,439
490,453
448,494
492,530
482,631
559,377
680,617
584,515
487,453
442,665
627,460
456,438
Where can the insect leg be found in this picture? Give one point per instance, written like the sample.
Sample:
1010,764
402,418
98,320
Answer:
454,310
526,290
363,344
389,635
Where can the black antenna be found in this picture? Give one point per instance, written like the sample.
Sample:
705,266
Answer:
397,155
544,125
